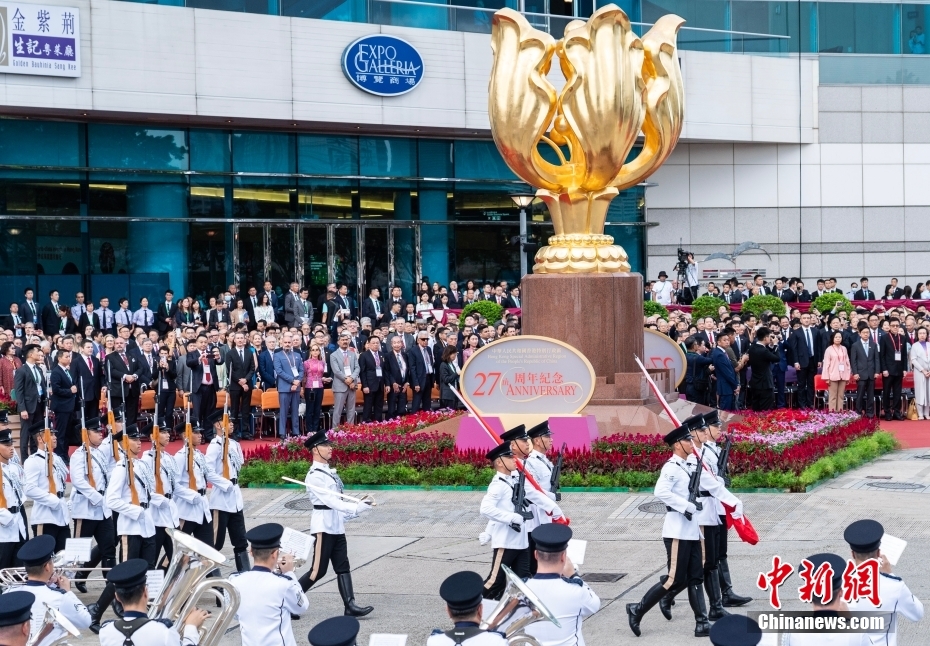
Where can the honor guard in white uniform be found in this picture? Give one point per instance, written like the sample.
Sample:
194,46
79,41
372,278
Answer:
735,630
463,593
539,466
15,617
46,478
560,588
49,588
713,494
13,532
135,628
268,598
335,631
90,475
681,534
508,531
191,494
730,598
224,455
165,515
327,524
865,538
836,605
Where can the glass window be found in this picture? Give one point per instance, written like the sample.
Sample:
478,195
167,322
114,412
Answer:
247,6
345,258
388,156
206,260
316,267
106,198
333,199
484,206
859,28
40,198
281,243
776,18
349,10
118,146
484,253
434,158
259,152
913,28
109,250
324,155
264,198
17,252
699,13
210,151
41,143
209,196
480,160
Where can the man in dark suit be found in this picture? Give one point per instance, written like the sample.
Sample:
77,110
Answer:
396,297
124,373
251,302
455,296
204,381
697,379
63,400
149,359
266,369
31,397
893,359
372,308
398,378
759,282
30,311
864,293
89,318
780,347
730,296
165,312
373,377
727,380
420,360
89,378
804,352
344,301
803,295
782,292
50,322
442,337
240,368
896,292
740,346
218,314
865,368
761,359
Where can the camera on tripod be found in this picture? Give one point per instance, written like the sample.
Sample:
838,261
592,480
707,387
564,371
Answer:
682,265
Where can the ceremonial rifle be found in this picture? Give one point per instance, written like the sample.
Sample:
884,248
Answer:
86,441
226,429
49,455
111,418
554,479
159,485
519,501
694,486
189,437
723,460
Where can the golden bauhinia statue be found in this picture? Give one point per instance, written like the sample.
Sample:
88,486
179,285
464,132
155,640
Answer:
617,85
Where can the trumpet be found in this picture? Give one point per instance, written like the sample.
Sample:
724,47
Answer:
53,618
517,596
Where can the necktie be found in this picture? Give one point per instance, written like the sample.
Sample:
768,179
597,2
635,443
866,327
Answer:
345,358
35,373
810,344
377,359
403,341
875,336
400,362
90,365
149,357
429,366
125,360
377,307
254,302
241,356
32,306
67,374
207,375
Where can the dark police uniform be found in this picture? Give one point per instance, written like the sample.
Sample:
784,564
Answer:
463,593
335,631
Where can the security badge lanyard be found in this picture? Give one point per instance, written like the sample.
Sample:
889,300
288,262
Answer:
896,344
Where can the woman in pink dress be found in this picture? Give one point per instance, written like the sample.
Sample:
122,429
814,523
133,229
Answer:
836,370
314,380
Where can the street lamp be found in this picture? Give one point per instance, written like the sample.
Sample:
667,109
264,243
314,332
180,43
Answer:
522,200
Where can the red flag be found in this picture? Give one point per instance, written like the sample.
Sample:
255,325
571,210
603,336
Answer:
744,529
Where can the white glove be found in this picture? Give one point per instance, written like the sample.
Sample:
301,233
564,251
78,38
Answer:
691,509
484,538
721,480
516,519
362,508
738,511
557,512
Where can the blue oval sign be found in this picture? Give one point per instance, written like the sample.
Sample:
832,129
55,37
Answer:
382,65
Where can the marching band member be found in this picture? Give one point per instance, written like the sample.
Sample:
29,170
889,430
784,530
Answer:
268,599
834,606
463,593
224,455
49,587
46,477
335,631
735,630
865,540
15,617
508,531
128,579
13,533
328,524
191,494
164,515
90,475
131,494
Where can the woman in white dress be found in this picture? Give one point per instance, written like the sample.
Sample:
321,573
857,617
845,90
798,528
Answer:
264,311
919,360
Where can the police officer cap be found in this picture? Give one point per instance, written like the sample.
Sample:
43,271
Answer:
838,563
695,423
196,428
118,414
6,436
16,607
93,424
3,417
539,430
335,631
214,417
265,537
128,574
735,630
179,428
516,433
864,536
500,451
712,418
683,432
132,431
316,439
37,551
552,537
462,591
35,430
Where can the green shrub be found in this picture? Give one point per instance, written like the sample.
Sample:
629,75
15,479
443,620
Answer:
651,308
488,309
760,303
825,303
707,305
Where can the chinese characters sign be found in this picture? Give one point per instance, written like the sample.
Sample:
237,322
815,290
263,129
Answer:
382,65
859,581
39,39
527,374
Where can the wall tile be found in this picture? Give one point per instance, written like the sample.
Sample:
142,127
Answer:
839,98
841,154
883,185
883,224
712,226
789,225
755,153
917,187
711,153
755,185
882,127
883,153
916,98
711,186
673,190
881,98
840,185
841,224
841,127
917,127
674,224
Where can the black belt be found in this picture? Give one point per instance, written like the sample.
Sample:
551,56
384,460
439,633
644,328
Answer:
706,494
13,510
144,505
168,496
235,481
202,492
60,494
321,507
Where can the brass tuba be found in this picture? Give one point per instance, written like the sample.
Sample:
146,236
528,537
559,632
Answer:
516,596
186,581
53,618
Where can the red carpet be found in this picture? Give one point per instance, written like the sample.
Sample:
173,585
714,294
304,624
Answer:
911,434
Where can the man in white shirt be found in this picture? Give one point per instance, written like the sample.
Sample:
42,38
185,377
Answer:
662,290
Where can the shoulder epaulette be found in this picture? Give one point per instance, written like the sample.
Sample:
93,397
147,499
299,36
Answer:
891,576
575,580
436,631
166,622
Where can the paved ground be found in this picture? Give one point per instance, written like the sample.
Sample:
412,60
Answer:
402,550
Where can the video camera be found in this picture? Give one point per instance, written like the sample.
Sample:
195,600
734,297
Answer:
682,265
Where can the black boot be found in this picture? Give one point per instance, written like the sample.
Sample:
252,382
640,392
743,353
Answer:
714,598
636,611
696,599
348,597
96,610
730,598
242,562
665,605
